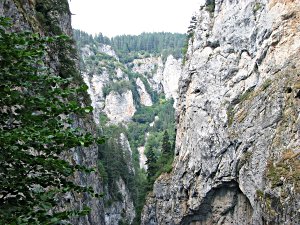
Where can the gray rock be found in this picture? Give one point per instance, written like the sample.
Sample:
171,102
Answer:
237,143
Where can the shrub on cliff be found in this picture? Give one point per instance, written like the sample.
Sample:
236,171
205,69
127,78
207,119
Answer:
35,130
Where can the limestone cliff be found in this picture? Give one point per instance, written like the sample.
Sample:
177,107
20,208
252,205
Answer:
162,76
120,90
111,97
237,144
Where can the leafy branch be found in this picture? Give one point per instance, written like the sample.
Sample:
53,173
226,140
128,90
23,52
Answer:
36,128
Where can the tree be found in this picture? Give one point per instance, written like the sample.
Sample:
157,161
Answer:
151,163
166,150
36,107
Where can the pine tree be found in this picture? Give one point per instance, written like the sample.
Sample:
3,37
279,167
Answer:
151,163
166,146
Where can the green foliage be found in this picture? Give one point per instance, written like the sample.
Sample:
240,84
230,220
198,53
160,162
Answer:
82,38
161,43
145,114
186,46
245,95
118,87
141,124
130,47
230,115
103,119
210,6
166,146
152,165
102,172
35,129
159,164
257,6
136,132
115,161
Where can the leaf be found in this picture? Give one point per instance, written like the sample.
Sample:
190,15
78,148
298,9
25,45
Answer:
101,140
88,109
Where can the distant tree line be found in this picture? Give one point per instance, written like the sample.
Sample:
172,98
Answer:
129,47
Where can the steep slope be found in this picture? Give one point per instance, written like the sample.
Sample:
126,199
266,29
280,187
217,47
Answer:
118,87
53,17
131,94
237,141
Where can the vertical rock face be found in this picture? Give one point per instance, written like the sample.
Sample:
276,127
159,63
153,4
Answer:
95,85
119,107
238,144
152,68
162,76
171,77
143,158
120,210
145,98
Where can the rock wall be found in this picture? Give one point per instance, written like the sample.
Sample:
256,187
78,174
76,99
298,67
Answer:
119,107
162,76
237,144
171,75
144,95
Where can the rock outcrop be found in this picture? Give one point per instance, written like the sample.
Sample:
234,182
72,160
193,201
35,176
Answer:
144,95
237,143
95,85
162,76
171,77
119,107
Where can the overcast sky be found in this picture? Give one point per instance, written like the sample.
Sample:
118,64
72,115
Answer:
113,17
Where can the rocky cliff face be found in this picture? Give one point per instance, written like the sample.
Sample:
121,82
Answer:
238,120
110,93
119,107
162,76
117,91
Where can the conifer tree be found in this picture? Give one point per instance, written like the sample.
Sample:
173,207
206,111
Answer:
166,146
151,163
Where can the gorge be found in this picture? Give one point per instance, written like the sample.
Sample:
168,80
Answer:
221,119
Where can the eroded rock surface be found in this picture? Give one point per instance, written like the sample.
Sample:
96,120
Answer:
162,76
237,146
145,97
119,107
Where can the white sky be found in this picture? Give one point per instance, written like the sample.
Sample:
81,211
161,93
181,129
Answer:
114,17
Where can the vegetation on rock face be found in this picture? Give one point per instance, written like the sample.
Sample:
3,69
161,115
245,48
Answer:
46,17
286,170
152,126
210,6
35,130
